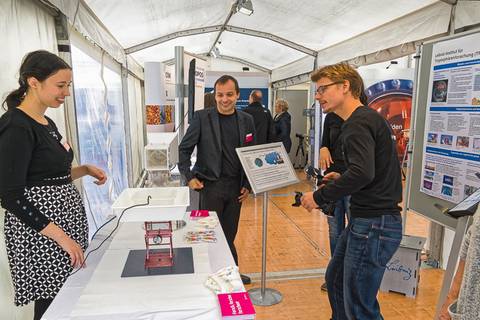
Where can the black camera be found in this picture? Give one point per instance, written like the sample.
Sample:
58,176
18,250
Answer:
298,135
327,208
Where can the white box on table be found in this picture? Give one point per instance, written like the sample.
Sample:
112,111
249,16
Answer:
165,204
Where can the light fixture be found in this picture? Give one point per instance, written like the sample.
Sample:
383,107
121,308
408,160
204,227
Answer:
391,63
215,52
245,7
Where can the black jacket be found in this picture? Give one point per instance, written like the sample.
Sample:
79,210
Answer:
332,128
283,126
373,176
204,133
263,122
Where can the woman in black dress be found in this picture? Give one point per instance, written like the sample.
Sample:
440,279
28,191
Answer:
46,230
283,123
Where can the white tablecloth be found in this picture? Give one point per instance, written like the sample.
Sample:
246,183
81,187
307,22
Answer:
98,292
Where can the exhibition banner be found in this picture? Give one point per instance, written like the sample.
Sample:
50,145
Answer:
267,166
451,153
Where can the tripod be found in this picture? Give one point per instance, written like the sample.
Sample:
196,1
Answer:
301,142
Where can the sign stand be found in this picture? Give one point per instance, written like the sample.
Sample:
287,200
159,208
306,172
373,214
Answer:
267,167
264,296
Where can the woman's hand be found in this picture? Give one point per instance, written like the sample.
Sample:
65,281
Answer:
96,173
74,251
71,247
325,158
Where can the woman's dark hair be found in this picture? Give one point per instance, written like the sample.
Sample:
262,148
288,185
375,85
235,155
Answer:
39,64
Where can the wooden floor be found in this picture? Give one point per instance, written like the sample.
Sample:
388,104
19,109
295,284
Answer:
298,253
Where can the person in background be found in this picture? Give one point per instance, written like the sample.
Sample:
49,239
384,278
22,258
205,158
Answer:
218,174
209,100
283,123
373,179
46,229
264,126
331,160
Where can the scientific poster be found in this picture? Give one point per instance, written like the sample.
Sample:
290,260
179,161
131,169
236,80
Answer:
267,166
451,156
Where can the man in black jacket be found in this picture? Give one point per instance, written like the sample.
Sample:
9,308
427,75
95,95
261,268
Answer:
372,178
218,174
262,118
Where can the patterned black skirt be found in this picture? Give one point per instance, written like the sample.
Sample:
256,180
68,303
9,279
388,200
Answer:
38,265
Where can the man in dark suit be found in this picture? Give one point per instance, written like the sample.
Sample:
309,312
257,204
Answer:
262,118
218,174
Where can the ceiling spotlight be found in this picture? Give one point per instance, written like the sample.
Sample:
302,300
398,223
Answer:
391,63
245,7
215,52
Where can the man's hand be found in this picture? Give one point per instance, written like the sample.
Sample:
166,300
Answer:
331,176
195,184
308,202
243,194
325,158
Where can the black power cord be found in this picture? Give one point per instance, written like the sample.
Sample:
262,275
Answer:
111,232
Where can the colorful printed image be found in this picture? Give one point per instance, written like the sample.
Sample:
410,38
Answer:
446,190
432,138
157,115
429,175
475,101
463,142
448,180
273,158
153,114
393,100
258,162
430,166
427,184
439,91
446,139
476,144
469,190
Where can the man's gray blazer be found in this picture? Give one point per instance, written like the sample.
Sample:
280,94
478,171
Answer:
204,133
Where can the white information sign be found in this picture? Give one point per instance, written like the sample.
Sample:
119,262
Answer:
267,166
451,157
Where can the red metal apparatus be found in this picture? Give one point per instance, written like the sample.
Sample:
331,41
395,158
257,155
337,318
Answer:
158,234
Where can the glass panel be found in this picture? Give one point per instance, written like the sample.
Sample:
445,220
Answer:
100,119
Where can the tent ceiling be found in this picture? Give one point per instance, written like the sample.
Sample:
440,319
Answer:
313,24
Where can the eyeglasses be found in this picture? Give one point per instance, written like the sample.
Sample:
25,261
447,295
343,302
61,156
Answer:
321,89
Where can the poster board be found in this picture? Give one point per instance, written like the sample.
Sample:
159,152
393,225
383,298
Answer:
267,166
435,56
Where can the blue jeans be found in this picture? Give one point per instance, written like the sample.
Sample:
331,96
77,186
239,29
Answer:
336,224
356,269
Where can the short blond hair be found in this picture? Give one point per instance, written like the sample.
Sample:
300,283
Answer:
283,104
341,72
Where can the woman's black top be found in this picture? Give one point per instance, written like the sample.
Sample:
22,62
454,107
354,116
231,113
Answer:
31,154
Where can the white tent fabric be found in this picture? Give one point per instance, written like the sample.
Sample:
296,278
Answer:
301,66
84,22
323,23
313,24
432,20
265,53
37,31
339,31
467,13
